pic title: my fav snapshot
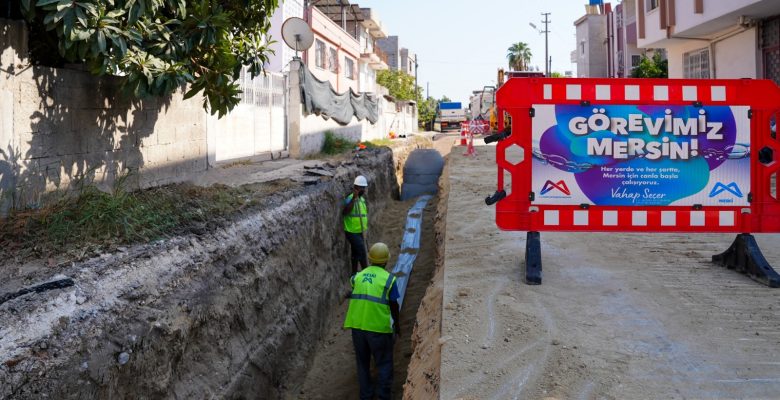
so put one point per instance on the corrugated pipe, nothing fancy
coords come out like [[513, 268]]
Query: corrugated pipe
[[410, 246]]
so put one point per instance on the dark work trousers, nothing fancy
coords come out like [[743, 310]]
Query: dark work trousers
[[358, 246], [380, 346]]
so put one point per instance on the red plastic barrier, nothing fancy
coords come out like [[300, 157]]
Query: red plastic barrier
[[479, 127], [639, 155]]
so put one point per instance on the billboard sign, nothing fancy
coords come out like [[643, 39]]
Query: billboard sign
[[641, 155]]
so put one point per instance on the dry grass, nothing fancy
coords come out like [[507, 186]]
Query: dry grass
[[96, 219]]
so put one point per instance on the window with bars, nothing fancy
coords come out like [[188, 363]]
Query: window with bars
[[696, 64], [333, 60], [349, 68], [635, 60], [319, 54], [652, 5], [770, 43]]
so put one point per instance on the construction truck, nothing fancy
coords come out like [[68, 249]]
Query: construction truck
[[502, 75], [481, 102], [449, 116]]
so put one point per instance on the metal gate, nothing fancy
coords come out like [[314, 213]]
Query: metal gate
[[258, 125]]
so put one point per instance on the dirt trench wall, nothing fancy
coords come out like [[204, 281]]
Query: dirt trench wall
[[227, 314]]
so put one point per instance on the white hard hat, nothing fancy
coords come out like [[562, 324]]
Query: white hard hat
[[361, 181]]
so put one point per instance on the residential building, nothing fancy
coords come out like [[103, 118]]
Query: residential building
[[282, 54], [592, 44], [408, 60], [713, 39], [372, 58], [389, 46], [335, 53], [344, 50], [398, 58], [622, 51]]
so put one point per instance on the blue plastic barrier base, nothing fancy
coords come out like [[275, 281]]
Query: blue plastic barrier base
[[744, 256], [533, 259]]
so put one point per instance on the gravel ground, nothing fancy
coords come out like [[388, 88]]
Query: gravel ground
[[618, 315]]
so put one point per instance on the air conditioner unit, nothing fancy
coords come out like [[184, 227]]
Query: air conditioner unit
[[745, 21]]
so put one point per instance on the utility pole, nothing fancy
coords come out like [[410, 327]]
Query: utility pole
[[546, 30], [549, 63], [416, 98], [427, 90]]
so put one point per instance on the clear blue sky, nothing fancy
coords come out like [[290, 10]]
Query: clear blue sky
[[462, 43]]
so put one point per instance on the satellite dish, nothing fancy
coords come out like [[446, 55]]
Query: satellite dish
[[297, 34]]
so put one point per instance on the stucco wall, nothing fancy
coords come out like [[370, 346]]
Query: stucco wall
[[735, 57], [63, 124]]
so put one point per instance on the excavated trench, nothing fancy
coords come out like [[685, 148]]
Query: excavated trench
[[332, 374], [233, 313]]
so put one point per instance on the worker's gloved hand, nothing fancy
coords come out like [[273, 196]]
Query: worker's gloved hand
[[396, 333]]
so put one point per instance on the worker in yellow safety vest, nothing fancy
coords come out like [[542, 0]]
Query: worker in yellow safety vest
[[373, 316], [355, 215]]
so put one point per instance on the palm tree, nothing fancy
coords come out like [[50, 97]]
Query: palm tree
[[519, 55]]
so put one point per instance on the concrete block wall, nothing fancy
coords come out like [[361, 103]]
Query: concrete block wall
[[61, 125]]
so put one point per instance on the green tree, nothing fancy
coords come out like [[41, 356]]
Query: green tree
[[657, 67], [519, 56], [426, 111], [398, 83], [556, 75], [156, 46], [445, 99]]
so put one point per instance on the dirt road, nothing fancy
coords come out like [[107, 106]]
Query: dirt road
[[618, 316]]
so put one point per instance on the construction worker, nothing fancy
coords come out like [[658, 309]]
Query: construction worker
[[373, 302], [356, 222]]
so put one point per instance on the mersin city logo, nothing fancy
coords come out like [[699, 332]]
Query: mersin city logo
[[560, 185], [732, 188]]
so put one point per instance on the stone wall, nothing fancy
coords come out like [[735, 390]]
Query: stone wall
[[62, 125]]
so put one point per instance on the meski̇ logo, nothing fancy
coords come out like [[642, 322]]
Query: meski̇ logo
[[560, 185], [731, 188]]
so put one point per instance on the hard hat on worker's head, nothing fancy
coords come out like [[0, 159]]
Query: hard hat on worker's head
[[361, 181], [378, 254]]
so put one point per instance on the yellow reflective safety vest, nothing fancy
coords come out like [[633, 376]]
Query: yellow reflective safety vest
[[369, 305], [357, 220]]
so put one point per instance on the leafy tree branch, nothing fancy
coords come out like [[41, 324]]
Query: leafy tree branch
[[156, 46]]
